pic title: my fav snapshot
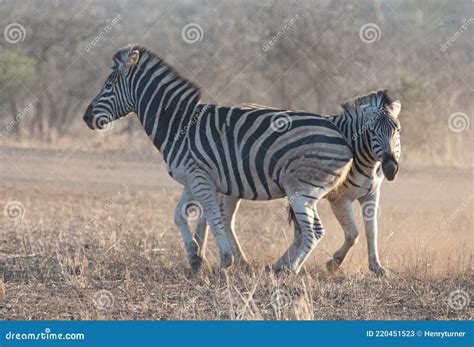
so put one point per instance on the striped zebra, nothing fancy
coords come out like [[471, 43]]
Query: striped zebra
[[373, 160], [235, 151], [230, 150]]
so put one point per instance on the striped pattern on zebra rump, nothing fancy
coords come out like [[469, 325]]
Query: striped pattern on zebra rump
[[363, 181]]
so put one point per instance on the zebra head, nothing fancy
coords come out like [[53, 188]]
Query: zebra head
[[114, 99], [383, 129], [375, 130]]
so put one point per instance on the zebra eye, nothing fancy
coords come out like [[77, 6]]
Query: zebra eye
[[108, 85]]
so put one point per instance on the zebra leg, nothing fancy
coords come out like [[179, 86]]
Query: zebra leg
[[205, 194], [304, 208], [342, 209], [370, 205], [192, 248], [200, 236], [291, 251], [229, 206]]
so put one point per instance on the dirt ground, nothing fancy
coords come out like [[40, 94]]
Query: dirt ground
[[93, 238]]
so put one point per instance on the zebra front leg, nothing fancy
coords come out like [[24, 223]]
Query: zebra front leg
[[370, 206], [205, 194], [181, 216], [201, 235], [342, 209], [229, 206]]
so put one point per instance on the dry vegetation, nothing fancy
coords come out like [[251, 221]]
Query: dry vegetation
[[98, 207], [92, 226]]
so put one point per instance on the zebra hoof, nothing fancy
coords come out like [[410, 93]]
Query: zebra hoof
[[378, 270], [333, 266], [227, 260], [196, 262], [243, 265], [283, 270]]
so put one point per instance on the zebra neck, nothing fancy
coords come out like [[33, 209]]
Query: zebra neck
[[164, 107], [358, 138]]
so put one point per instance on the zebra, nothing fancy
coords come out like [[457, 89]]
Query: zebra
[[237, 151], [362, 183]]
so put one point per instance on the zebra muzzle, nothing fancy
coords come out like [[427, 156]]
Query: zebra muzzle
[[390, 167]]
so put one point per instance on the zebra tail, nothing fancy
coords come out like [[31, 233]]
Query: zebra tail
[[292, 219]]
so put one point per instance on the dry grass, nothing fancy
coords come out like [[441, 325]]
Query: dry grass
[[59, 258]]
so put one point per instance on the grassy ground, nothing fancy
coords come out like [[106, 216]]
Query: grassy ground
[[97, 241]]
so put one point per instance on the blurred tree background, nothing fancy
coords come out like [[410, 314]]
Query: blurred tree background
[[61, 55]]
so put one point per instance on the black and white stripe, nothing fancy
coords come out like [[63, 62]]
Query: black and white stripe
[[370, 124], [231, 150], [236, 151]]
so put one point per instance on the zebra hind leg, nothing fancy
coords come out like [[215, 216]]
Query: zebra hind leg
[[295, 243], [304, 208]]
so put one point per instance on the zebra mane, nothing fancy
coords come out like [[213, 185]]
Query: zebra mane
[[376, 101], [122, 55]]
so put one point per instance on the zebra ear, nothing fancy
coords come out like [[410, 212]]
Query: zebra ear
[[394, 108], [132, 59]]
